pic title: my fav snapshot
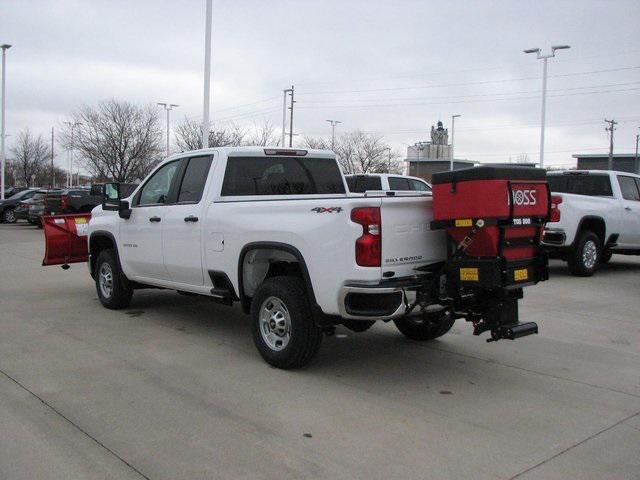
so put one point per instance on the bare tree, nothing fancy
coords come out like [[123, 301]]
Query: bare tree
[[30, 155], [264, 135], [359, 152], [116, 140], [189, 135]]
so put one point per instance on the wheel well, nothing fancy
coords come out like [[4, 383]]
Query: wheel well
[[596, 225], [98, 243], [262, 263], [261, 260]]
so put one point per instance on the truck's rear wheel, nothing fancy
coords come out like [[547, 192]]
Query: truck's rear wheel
[[425, 328], [110, 285], [585, 256], [283, 328]]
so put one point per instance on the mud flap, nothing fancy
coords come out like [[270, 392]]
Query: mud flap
[[66, 239]]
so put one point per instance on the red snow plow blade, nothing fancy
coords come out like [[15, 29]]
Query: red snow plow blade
[[66, 239]]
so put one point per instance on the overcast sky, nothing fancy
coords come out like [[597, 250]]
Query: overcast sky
[[392, 68]]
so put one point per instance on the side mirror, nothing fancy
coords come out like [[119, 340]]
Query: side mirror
[[111, 196], [111, 200]]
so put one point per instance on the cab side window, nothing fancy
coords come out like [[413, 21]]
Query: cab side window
[[194, 180], [399, 183], [629, 188], [156, 190], [418, 186]]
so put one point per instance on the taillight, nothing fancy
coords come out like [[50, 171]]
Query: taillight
[[368, 246], [556, 200], [63, 201]]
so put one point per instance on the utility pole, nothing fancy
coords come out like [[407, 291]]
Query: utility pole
[[546, 57], [333, 132], [453, 129], [4, 48], [291, 92], [610, 129], [389, 160], [72, 125], [53, 174], [284, 114], [168, 107], [207, 75]]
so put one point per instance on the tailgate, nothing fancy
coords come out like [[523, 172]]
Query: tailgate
[[407, 240], [66, 238]]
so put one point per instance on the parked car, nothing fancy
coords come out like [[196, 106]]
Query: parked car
[[80, 199], [10, 191], [594, 215], [9, 205], [23, 209], [360, 183], [277, 231]]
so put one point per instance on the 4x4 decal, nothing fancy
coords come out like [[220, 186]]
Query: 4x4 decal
[[327, 209]]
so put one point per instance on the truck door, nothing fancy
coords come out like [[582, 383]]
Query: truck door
[[630, 229], [182, 225], [141, 234]]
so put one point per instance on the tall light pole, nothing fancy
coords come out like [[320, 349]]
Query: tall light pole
[[207, 75], [71, 125], [4, 48], [637, 165], [453, 129], [333, 132], [544, 57], [168, 107]]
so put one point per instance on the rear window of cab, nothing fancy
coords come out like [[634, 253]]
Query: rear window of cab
[[245, 176]]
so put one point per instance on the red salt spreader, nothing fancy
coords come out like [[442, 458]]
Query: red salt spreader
[[493, 218]]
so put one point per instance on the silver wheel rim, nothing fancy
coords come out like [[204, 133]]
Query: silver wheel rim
[[9, 216], [589, 254], [105, 280], [275, 324]]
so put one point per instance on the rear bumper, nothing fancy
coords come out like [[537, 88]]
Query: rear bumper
[[381, 301]]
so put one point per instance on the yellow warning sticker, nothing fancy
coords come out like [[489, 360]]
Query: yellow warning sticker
[[464, 222], [80, 220], [520, 275], [469, 274]]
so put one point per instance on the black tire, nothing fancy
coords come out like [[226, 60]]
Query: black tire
[[585, 255], [39, 223], [606, 256], [425, 328], [8, 216], [120, 293], [304, 336], [31, 222]]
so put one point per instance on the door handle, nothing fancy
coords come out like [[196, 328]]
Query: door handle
[[190, 218], [154, 219]]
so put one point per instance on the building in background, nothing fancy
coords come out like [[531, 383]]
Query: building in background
[[426, 158], [622, 162]]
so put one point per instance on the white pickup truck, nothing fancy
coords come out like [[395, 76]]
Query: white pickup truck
[[594, 215], [277, 231]]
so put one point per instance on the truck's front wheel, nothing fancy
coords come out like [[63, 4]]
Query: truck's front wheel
[[426, 327], [110, 285], [283, 328]]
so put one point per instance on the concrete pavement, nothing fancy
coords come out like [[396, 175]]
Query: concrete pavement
[[173, 388]]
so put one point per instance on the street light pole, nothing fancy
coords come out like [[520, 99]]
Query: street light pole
[[207, 75], [4, 48], [637, 165], [389, 159], [285, 92], [544, 57], [168, 107], [453, 129], [333, 132]]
